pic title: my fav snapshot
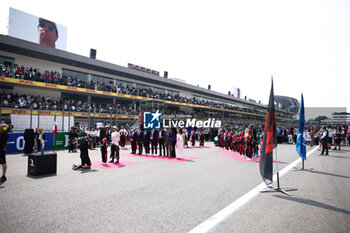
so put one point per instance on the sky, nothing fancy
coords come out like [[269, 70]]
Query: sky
[[303, 44]]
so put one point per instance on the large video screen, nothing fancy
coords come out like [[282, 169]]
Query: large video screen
[[36, 29]]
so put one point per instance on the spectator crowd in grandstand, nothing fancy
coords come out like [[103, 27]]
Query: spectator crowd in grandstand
[[54, 77]]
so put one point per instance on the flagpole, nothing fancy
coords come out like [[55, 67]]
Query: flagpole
[[54, 134], [278, 188], [278, 175]]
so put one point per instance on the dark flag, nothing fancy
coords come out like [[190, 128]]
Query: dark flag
[[269, 141]]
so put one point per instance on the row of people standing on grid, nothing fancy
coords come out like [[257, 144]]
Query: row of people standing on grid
[[336, 135], [94, 135], [244, 142], [144, 139], [239, 141], [97, 136]]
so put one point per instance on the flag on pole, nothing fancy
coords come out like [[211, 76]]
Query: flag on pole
[[301, 143], [54, 131], [269, 141]]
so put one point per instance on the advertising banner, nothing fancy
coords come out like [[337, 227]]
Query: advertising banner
[[15, 143], [61, 141]]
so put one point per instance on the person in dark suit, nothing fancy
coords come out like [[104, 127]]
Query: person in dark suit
[[140, 138], [173, 143], [167, 142], [161, 142], [201, 139], [147, 140], [108, 135], [324, 140], [154, 139], [193, 138], [71, 140], [102, 134], [133, 140]]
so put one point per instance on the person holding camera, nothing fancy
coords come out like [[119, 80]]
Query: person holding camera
[[84, 146]]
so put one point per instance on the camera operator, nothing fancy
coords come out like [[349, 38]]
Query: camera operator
[[84, 146]]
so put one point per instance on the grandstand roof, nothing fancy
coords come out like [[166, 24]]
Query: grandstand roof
[[26, 48]]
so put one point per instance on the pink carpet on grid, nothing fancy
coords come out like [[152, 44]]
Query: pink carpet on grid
[[185, 158], [237, 156], [110, 165], [196, 147], [190, 147]]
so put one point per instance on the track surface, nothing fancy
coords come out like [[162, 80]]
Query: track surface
[[154, 195]]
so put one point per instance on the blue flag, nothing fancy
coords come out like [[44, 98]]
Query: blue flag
[[301, 143]]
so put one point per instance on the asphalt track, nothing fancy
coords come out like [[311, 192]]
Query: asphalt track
[[153, 195]]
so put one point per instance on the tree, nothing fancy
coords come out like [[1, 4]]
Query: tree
[[320, 118]]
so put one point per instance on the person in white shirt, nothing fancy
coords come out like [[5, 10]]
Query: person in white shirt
[[308, 138], [180, 143], [331, 132], [115, 136], [87, 131], [92, 134], [97, 135]]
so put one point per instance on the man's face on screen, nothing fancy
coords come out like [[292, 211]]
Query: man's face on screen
[[47, 34]]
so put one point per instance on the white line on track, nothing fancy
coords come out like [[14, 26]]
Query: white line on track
[[220, 216]]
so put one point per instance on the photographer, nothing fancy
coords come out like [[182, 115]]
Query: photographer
[[3, 140], [84, 146]]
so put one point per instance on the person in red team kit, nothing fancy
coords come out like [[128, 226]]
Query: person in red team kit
[[248, 143], [238, 141], [228, 140]]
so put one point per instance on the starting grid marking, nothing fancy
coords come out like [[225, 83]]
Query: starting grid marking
[[223, 214]]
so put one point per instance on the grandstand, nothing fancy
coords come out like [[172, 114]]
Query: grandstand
[[41, 81]]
